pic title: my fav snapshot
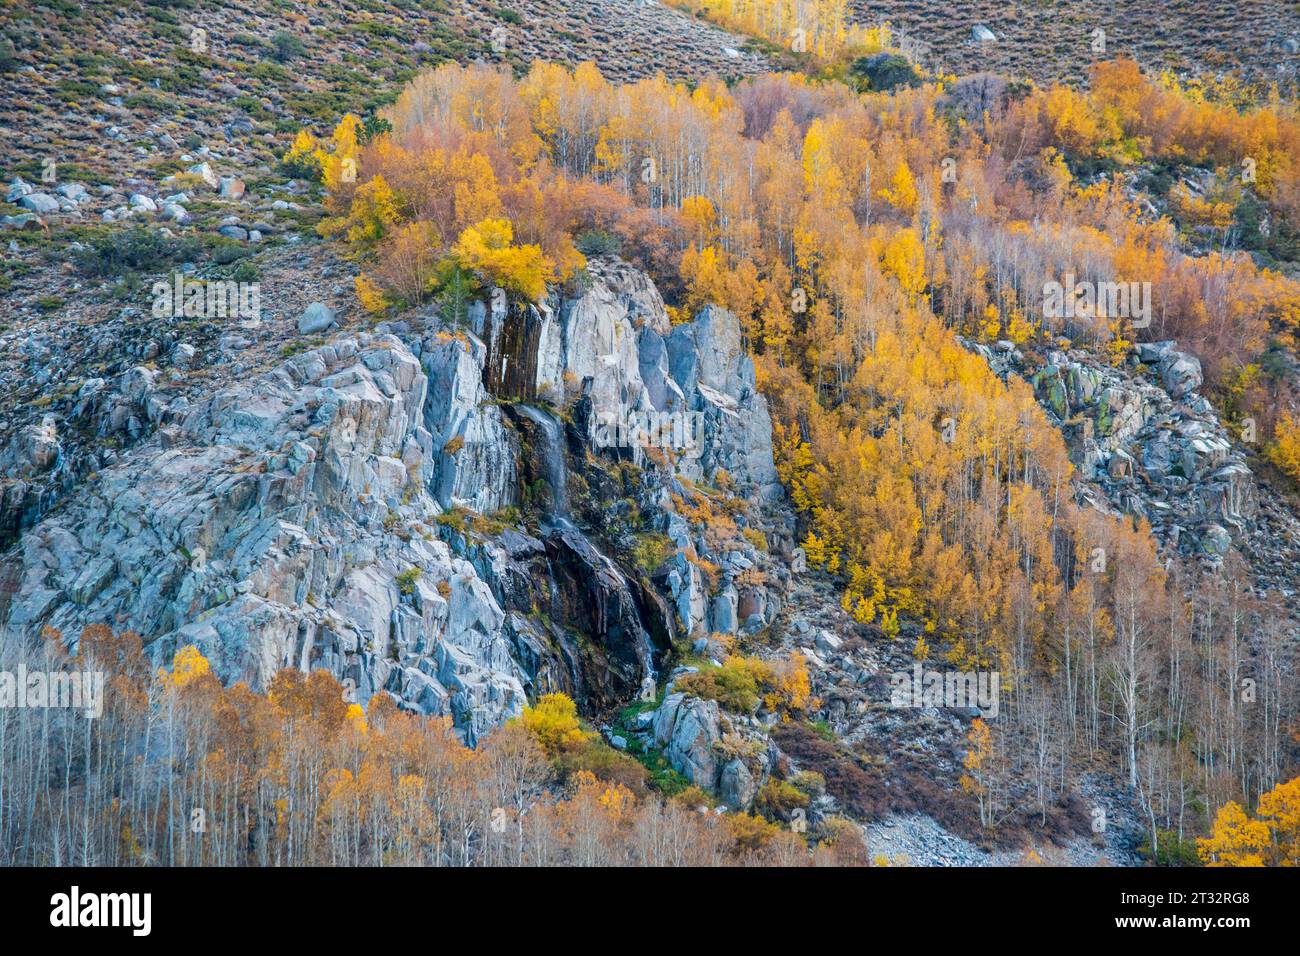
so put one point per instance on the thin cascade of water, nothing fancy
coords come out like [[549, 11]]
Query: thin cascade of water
[[557, 520]]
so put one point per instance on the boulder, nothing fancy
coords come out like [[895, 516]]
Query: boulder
[[34, 450], [73, 192], [687, 728], [724, 617], [828, 642], [205, 173], [1215, 540], [736, 785], [18, 188], [316, 318], [1152, 352], [40, 203], [24, 220], [1121, 465], [1181, 373]]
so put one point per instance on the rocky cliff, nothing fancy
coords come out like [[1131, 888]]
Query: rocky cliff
[[1146, 443], [379, 506]]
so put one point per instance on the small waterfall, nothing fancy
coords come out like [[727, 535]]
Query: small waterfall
[[553, 461], [557, 522]]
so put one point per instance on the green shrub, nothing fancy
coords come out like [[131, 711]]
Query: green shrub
[[882, 72], [823, 729], [372, 127], [244, 272], [145, 101], [651, 550], [285, 47], [225, 250], [305, 166], [597, 242], [664, 777], [139, 248], [778, 797], [252, 106], [406, 580], [809, 782], [1170, 851], [737, 685], [69, 90], [8, 56], [453, 518], [599, 758]]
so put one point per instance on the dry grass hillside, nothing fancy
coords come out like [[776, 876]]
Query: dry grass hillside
[[1048, 40], [96, 84]]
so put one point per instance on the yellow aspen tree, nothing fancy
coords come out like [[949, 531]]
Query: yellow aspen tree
[[1234, 840], [487, 247], [1280, 811], [903, 257], [369, 294], [901, 192]]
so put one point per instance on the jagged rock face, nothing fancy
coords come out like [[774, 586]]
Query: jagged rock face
[[577, 624], [35, 449], [285, 523], [617, 344], [597, 348], [617, 288], [474, 450], [291, 521], [697, 368], [614, 346], [733, 606], [709, 365], [32, 453], [683, 580], [688, 728], [1154, 446], [514, 337], [530, 353], [612, 350], [692, 732], [36, 468], [736, 785], [708, 353], [592, 596]]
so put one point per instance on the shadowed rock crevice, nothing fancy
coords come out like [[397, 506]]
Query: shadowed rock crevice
[[513, 336]]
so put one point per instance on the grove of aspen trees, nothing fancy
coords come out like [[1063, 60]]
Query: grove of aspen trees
[[863, 239]]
